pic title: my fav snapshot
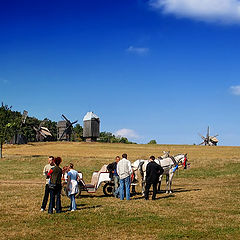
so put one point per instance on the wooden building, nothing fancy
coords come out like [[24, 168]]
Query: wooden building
[[61, 131], [91, 127]]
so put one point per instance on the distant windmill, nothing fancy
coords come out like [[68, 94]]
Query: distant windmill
[[24, 117], [65, 129], [91, 127], [209, 140], [42, 133]]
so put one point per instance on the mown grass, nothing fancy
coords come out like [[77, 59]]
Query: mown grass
[[204, 205]]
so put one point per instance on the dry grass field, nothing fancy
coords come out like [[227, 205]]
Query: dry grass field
[[204, 204]]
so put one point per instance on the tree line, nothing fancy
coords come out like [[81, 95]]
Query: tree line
[[11, 125]]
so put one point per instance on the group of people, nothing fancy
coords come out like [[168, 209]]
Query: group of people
[[121, 172], [53, 187]]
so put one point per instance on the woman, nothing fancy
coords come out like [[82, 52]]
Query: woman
[[72, 186], [55, 186]]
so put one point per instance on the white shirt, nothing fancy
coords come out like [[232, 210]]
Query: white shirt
[[47, 168], [124, 168]]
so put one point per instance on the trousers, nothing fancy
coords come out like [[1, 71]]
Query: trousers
[[125, 184], [73, 205], [116, 186], [45, 198], [55, 194], [148, 185]]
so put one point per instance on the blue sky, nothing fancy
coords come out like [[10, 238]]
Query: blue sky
[[150, 69]]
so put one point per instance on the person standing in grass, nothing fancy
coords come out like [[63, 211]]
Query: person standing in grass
[[124, 171], [46, 170], [112, 168], [55, 186], [72, 186], [153, 172]]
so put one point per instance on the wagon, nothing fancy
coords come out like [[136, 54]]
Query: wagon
[[98, 178]]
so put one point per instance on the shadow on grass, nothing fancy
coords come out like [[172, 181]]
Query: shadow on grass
[[81, 207], [93, 196], [139, 195], [157, 198], [170, 195], [178, 190]]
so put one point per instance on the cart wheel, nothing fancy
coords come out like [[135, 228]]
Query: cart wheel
[[108, 189]]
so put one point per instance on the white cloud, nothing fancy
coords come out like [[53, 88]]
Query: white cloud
[[235, 90], [222, 11], [138, 50], [128, 133]]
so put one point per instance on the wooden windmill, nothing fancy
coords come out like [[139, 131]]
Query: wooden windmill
[[65, 129], [91, 127], [42, 133], [209, 140]]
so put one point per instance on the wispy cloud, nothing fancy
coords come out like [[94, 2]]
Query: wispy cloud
[[128, 133], [235, 90], [221, 11], [138, 50]]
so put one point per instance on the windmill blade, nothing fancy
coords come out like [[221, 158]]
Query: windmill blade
[[208, 132], [46, 131], [215, 135], [202, 143], [36, 129], [63, 133], [203, 138], [74, 122], [65, 118], [42, 133]]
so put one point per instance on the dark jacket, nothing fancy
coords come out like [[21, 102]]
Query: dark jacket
[[153, 172], [111, 167], [56, 175]]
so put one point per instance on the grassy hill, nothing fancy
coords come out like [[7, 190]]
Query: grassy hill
[[204, 205]]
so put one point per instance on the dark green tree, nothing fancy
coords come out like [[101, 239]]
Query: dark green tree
[[7, 125], [123, 140], [153, 142], [106, 137], [78, 132]]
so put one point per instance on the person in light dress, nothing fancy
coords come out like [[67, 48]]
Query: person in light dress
[[72, 186]]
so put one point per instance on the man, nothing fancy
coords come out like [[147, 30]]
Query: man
[[112, 168], [55, 186], [153, 172], [124, 171], [46, 170]]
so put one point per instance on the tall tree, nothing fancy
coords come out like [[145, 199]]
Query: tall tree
[[78, 132], [6, 125]]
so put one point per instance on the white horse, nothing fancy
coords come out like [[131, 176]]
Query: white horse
[[169, 165]]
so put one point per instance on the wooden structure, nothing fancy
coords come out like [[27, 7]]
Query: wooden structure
[[64, 129], [42, 133], [209, 140], [91, 127]]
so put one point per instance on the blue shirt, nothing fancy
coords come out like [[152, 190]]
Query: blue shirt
[[73, 174]]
